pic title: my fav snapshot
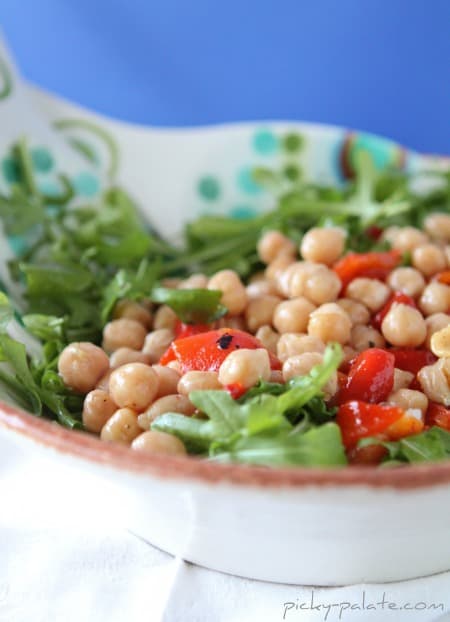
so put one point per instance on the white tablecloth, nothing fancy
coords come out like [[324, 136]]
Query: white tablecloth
[[72, 564]]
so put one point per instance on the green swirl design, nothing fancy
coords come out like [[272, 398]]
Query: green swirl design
[[6, 79], [99, 132]]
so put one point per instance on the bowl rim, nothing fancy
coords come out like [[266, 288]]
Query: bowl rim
[[87, 447]]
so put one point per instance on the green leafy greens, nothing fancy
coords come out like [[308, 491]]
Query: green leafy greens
[[430, 446]]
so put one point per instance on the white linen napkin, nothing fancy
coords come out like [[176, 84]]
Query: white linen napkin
[[60, 562]]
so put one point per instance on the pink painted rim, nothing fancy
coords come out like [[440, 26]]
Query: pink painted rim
[[86, 447]]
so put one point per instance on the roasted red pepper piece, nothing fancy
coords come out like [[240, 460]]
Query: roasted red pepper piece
[[359, 419], [443, 277], [397, 297], [207, 351], [412, 360], [438, 414], [236, 390], [371, 377], [371, 265], [374, 232], [183, 330]]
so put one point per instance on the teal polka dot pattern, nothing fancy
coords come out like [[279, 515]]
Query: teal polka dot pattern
[[42, 160], [265, 142], [49, 188], [243, 212], [246, 182], [18, 244], [86, 184], [10, 170], [209, 188]]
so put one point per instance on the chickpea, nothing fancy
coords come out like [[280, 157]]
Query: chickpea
[[434, 380], [429, 259], [168, 404], [349, 354], [402, 379], [276, 267], [438, 226], [235, 321], [171, 283], [324, 245], [272, 244], [198, 381], [364, 337], [123, 333], [330, 323], [133, 311], [407, 280], [390, 235], [404, 326], [154, 442], [291, 344], [260, 310], [370, 292], [167, 380], [122, 356], [165, 318], [122, 427], [302, 364], [292, 316], [103, 383], [259, 288], [435, 298], [356, 311], [276, 375], [98, 407], [434, 323], [195, 281], [234, 295], [133, 386], [81, 365], [157, 342], [245, 367], [268, 337], [408, 399], [440, 342], [322, 286], [291, 282], [447, 254], [407, 238], [176, 366]]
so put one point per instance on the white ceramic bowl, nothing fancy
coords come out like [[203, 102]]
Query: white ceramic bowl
[[305, 526], [286, 525]]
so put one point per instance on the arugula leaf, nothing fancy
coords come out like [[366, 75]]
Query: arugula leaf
[[318, 447], [222, 410], [304, 388], [45, 327], [6, 312], [196, 434], [56, 280], [192, 306], [429, 446], [22, 382], [128, 284], [263, 388]]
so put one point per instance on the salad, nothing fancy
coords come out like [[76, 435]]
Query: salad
[[317, 334]]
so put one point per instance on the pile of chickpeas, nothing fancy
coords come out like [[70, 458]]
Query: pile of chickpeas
[[294, 308]]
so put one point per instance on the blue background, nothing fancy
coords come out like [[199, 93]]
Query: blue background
[[377, 65]]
